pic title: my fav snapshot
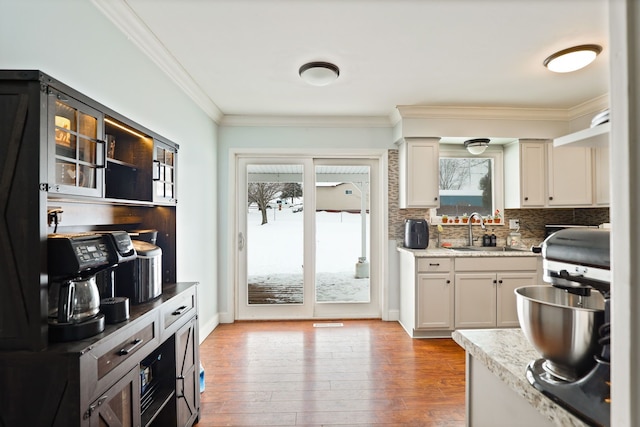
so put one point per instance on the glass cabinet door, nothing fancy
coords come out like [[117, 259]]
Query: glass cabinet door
[[78, 160], [164, 173]]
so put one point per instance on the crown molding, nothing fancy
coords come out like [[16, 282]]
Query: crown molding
[[126, 20], [303, 121], [485, 113], [589, 107], [499, 113]]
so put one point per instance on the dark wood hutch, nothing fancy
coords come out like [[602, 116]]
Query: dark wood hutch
[[71, 164]]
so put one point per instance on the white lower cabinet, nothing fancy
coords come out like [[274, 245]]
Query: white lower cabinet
[[439, 294], [487, 300], [475, 298], [484, 290], [426, 295], [435, 301]]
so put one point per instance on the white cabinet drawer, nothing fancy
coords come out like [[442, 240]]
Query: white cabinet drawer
[[434, 265], [528, 263]]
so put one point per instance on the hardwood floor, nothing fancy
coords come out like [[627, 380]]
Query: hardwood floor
[[365, 373]]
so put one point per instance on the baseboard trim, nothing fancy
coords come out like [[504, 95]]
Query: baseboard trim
[[208, 327], [393, 316]]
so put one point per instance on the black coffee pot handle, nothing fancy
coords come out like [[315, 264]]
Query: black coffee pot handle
[[65, 301]]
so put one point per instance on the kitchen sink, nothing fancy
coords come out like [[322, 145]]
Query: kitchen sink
[[486, 249]]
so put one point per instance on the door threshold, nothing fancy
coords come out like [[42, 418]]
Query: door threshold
[[328, 325]]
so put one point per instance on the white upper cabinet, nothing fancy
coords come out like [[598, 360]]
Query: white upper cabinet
[[419, 160], [533, 157], [539, 175], [601, 176], [596, 138], [525, 177], [569, 176]]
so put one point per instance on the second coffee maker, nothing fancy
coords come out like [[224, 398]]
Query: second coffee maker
[[141, 279]]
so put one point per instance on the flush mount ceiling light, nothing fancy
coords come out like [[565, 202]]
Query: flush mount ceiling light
[[319, 73], [573, 58], [477, 145]]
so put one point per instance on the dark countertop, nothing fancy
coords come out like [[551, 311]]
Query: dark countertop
[[135, 312]]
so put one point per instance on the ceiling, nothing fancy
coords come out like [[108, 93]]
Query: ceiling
[[241, 57]]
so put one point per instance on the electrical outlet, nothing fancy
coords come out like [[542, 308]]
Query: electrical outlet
[[514, 224], [54, 216]]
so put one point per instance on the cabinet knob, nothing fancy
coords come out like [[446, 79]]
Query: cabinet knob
[[526, 198], [448, 281], [550, 197], [435, 199]]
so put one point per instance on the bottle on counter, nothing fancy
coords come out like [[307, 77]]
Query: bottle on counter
[[493, 239], [486, 240]]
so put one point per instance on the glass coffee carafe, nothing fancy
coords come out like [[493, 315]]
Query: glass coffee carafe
[[73, 301]]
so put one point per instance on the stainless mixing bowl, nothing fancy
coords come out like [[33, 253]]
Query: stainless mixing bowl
[[562, 327]]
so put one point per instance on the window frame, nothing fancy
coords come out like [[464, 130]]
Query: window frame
[[497, 180]]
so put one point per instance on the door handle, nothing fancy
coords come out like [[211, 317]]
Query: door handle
[[156, 170], [240, 241], [104, 153]]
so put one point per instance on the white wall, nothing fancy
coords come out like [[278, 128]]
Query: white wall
[[275, 137], [74, 43]]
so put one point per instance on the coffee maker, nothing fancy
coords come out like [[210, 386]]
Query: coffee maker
[[74, 299], [115, 308]]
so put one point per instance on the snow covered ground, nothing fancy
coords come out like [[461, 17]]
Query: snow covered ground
[[275, 255]]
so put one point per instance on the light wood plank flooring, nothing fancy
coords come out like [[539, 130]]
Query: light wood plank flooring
[[365, 373]]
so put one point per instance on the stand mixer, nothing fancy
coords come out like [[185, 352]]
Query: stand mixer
[[569, 325]]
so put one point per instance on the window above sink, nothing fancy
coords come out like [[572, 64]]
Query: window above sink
[[469, 183]]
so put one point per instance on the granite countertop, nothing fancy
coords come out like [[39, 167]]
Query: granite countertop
[[506, 353], [446, 252]]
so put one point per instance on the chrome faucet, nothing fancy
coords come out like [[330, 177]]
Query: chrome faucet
[[471, 222]]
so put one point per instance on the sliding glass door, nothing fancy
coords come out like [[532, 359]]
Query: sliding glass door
[[304, 238]]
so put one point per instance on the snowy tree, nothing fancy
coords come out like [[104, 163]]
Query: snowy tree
[[261, 193], [292, 190], [452, 173]]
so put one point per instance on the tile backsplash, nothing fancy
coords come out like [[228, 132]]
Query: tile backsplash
[[532, 221]]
